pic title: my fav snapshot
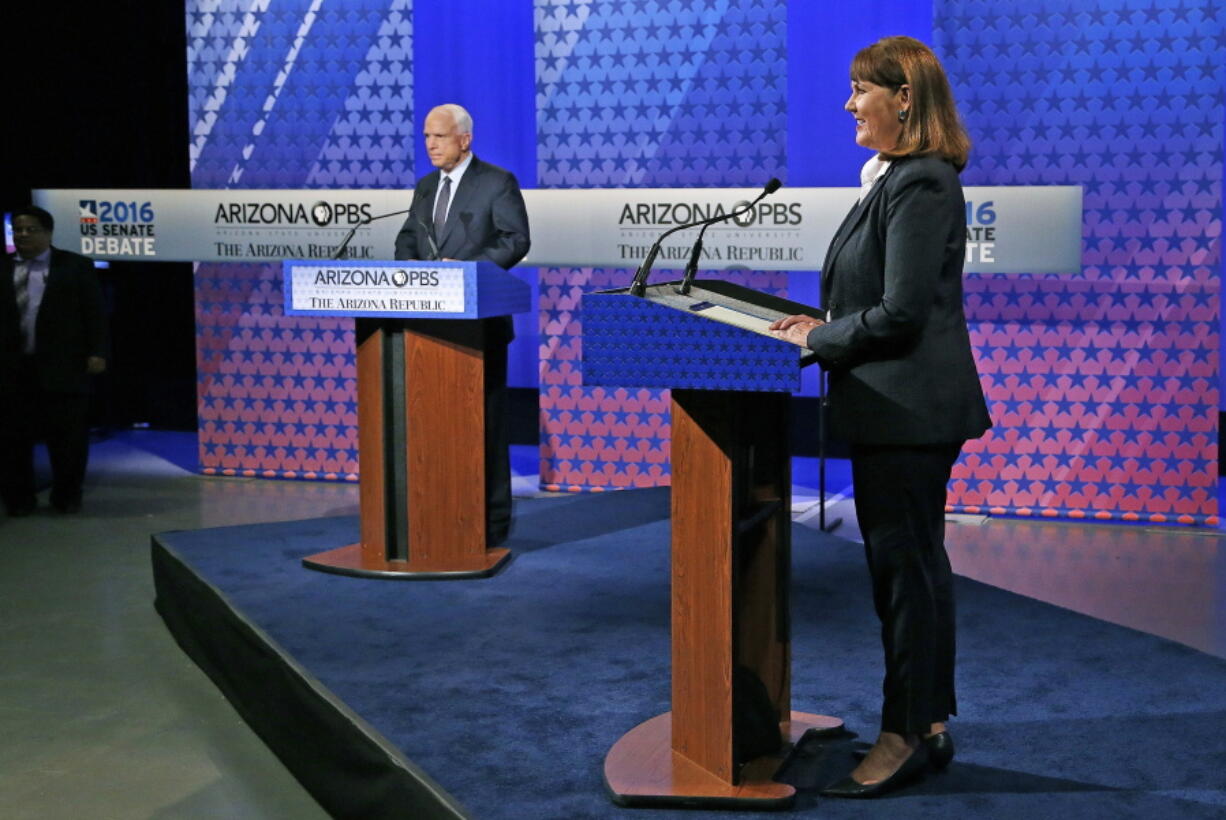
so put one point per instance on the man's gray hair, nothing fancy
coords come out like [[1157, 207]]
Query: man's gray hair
[[463, 120]]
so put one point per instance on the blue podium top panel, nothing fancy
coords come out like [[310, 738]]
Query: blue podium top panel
[[629, 341], [402, 290]]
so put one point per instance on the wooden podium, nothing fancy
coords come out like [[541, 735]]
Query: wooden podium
[[731, 540], [421, 409]]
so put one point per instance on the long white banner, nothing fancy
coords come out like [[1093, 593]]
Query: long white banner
[[1009, 229]]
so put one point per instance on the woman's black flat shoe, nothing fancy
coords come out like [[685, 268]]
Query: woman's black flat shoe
[[911, 768], [940, 750]]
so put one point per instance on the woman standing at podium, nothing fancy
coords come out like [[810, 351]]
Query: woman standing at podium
[[903, 389]]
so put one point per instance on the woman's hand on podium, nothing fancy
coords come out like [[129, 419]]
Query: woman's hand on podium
[[795, 328]]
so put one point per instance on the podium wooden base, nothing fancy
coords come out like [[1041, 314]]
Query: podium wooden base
[[643, 770], [349, 561]]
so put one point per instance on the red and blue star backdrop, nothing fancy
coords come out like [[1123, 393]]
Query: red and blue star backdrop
[[288, 95], [651, 95], [1103, 386]]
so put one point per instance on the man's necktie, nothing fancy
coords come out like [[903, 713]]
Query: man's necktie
[[440, 207], [21, 284]]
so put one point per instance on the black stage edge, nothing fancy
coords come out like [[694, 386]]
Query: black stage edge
[[345, 764]]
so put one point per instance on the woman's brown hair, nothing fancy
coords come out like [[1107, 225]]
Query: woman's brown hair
[[932, 125]]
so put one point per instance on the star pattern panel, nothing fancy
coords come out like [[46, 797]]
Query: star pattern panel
[[288, 95], [1103, 386], [629, 340], [642, 94]]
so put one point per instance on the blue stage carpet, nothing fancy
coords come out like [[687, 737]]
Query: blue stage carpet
[[509, 691]]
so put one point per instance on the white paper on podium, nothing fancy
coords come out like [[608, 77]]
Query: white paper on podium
[[745, 321], [735, 317]]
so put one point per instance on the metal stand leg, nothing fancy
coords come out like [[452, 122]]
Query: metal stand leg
[[821, 459]]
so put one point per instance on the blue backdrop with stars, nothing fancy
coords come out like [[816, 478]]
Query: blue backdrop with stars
[[1103, 386]]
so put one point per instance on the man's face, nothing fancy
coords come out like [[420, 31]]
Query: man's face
[[444, 143], [30, 237]]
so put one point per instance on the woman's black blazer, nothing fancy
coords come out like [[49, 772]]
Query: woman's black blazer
[[895, 344]]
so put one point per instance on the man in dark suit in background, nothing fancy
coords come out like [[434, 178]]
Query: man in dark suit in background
[[471, 210], [52, 339]]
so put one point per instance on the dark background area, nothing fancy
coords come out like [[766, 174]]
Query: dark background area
[[98, 99]]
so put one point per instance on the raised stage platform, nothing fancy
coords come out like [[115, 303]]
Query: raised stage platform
[[499, 698]]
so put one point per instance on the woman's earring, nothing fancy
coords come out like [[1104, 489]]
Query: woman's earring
[[902, 115]]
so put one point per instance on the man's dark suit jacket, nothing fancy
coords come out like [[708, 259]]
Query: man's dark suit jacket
[[896, 344], [71, 323], [487, 220]]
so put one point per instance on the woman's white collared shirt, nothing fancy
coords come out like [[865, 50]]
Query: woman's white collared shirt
[[872, 171]]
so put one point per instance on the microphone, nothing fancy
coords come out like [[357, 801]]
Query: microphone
[[429, 236], [430, 231], [344, 246], [691, 267], [638, 286]]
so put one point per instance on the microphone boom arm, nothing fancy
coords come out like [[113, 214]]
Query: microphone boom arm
[[638, 286], [343, 248]]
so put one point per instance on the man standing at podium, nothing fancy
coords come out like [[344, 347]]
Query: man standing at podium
[[470, 210]]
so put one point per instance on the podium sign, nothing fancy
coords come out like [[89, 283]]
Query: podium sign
[[667, 340], [402, 290]]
